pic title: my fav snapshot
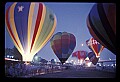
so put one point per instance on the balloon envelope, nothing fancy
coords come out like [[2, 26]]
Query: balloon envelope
[[101, 23], [95, 46], [63, 44], [80, 54], [92, 57], [30, 26]]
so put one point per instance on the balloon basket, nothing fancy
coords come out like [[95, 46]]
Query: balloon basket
[[26, 62]]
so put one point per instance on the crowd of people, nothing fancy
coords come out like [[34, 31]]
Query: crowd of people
[[14, 69], [20, 69]]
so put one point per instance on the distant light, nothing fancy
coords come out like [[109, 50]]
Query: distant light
[[99, 64], [8, 56], [71, 61], [109, 59], [36, 57], [74, 63], [112, 64], [66, 62], [81, 44], [89, 64], [81, 61], [12, 56], [55, 60]]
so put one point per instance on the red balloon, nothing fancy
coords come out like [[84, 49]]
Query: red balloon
[[80, 54]]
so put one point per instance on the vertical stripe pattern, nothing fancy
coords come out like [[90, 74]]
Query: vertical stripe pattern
[[63, 44], [30, 26], [101, 23]]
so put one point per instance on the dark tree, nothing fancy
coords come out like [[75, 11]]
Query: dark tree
[[17, 54]]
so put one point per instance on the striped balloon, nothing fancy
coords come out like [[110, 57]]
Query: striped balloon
[[63, 44], [101, 23], [30, 26]]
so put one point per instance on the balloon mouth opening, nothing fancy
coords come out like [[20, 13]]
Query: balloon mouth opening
[[27, 57]]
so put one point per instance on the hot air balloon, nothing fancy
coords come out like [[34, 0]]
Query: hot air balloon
[[80, 54], [92, 57], [63, 44], [95, 46], [30, 26], [101, 23]]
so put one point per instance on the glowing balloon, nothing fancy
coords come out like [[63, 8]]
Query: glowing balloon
[[63, 44], [80, 54], [95, 46], [101, 23], [30, 26]]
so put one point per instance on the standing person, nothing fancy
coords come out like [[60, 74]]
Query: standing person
[[11, 71], [23, 69]]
